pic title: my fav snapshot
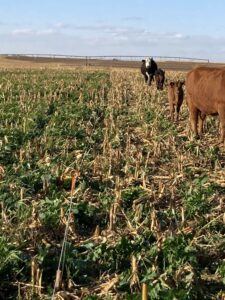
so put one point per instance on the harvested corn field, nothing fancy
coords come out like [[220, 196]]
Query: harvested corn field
[[94, 154]]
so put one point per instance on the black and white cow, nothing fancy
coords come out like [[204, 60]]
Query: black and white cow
[[148, 68]]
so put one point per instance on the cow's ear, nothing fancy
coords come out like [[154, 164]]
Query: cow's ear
[[143, 60]]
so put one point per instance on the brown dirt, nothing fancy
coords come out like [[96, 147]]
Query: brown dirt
[[68, 63]]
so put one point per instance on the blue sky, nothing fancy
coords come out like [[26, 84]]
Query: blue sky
[[114, 27]]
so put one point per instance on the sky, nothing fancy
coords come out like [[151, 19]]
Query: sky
[[177, 28]]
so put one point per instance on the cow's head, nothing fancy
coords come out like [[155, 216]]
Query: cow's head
[[148, 62], [181, 83], [177, 86]]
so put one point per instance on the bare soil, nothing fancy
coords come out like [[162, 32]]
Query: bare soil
[[68, 63]]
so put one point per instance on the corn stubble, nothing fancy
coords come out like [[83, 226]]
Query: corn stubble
[[148, 206]]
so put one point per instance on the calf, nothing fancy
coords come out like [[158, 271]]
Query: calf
[[159, 79], [148, 68], [176, 97], [205, 88]]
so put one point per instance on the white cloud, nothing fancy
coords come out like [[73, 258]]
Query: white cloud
[[32, 32], [105, 39], [45, 31], [22, 31], [179, 35]]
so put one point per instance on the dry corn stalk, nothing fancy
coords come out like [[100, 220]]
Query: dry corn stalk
[[58, 280], [35, 222], [36, 277], [118, 190], [62, 216], [107, 286], [153, 221], [144, 292], [182, 216], [138, 213], [134, 280], [97, 231], [71, 224], [224, 218], [39, 281], [3, 213], [2, 172], [34, 268], [112, 216], [22, 190]]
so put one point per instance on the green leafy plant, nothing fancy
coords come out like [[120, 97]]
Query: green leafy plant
[[196, 197]]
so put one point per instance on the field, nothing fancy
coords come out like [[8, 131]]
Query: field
[[68, 63], [94, 149]]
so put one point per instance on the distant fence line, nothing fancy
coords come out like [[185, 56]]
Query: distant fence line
[[110, 57]]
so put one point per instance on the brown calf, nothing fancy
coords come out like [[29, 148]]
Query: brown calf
[[176, 97], [205, 88]]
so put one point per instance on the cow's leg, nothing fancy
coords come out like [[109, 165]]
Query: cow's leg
[[177, 111], [148, 78], [172, 111], [194, 119], [202, 117], [193, 112], [151, 78], [179, 103], [221, 111]]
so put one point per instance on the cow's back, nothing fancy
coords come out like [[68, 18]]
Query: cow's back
[[206, 88]]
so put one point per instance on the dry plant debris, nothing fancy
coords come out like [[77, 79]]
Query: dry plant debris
[[148, 205]]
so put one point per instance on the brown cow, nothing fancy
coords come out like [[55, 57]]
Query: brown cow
[[205, 88], [176, 97]]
